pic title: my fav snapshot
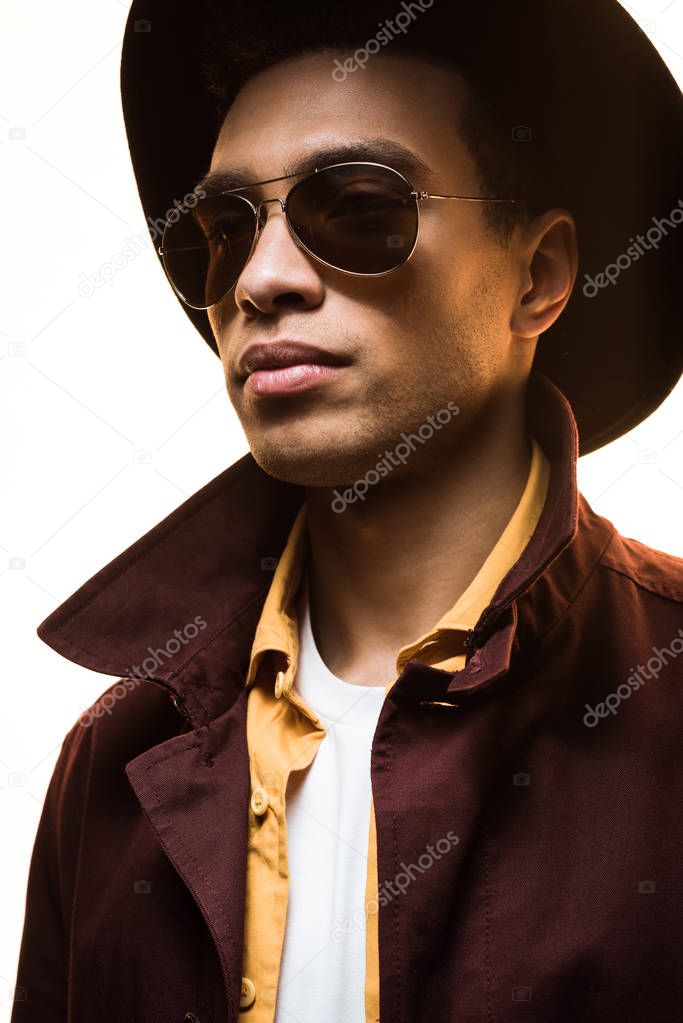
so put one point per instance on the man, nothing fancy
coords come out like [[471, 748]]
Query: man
[[397, 777]]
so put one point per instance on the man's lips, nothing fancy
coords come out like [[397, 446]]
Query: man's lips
[[290, 378], [286, 366], [282, 354]]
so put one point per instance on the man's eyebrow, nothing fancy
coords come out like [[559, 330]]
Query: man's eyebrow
[[380, 150]]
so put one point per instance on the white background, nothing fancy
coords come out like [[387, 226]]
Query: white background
[[85, 383]]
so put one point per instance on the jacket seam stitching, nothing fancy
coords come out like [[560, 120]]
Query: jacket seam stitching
[[207, 884], [643, 582], [194, 744]]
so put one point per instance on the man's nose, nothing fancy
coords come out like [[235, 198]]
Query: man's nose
[[278, 272]]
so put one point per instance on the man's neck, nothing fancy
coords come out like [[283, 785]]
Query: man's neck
[[384, 571]]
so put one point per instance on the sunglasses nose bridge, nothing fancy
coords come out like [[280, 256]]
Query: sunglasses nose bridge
[[260, 218]]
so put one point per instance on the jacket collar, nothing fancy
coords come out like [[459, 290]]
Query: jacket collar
[[179, 607]]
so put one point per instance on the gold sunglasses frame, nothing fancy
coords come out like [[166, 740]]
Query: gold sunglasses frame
[[418, 195]]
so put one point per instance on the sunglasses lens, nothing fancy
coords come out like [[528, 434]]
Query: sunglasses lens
[[206, 247], [356, 217]]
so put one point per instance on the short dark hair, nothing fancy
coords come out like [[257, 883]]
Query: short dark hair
[[231, 58]]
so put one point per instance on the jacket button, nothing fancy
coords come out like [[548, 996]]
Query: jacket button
[[259, 801], [279, 684], [190, 1017], [247, 993]]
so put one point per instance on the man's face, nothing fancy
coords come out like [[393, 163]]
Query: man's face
[[434, 331]]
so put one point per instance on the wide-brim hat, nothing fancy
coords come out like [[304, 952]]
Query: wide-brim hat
[[586, 97]]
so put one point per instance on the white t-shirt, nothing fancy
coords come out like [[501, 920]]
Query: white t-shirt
[[322, 975]]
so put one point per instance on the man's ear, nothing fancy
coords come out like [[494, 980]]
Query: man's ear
[[549, 264]]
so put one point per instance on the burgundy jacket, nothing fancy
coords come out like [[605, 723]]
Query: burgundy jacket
[[552, 756]]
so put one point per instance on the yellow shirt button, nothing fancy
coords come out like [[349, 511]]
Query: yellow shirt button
[[259, 801], [247, 993], [279, 684]]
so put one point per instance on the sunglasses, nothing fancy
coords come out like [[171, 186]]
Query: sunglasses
[[359, 218]]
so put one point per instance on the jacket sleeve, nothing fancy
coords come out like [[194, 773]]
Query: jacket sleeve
[[42, 983]]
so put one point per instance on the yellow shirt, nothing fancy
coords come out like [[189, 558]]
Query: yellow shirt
[[283, 734]]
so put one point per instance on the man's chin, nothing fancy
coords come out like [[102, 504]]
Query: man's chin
[[307, 464], [314, 469]]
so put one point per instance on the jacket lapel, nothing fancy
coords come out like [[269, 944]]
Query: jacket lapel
[[196, 800]]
